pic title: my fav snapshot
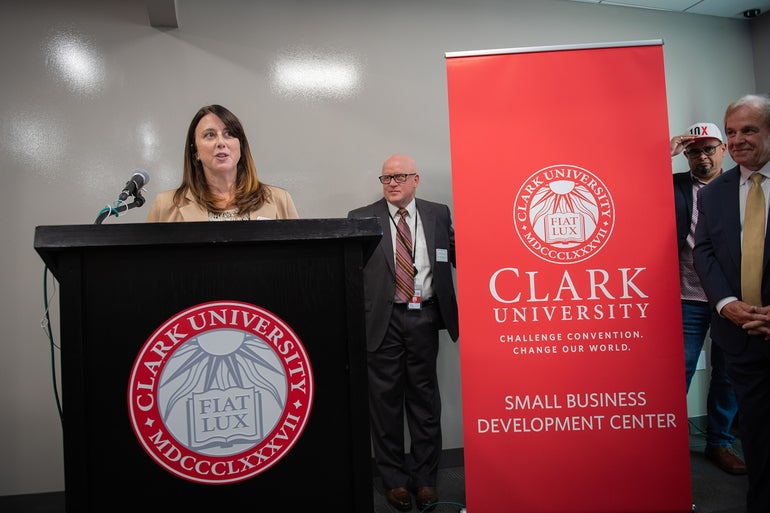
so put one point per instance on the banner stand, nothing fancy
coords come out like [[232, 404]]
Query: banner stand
[[574, 397]]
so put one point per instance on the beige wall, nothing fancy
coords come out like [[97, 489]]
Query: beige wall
[[90, 92]]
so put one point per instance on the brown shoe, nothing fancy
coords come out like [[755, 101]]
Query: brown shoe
[[426, 495], [399, 498], [726, 459]]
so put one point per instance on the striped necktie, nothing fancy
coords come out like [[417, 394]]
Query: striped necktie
[[752, 249], [404, 264]]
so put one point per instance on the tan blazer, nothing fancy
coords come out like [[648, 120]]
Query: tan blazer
[[163, 209]]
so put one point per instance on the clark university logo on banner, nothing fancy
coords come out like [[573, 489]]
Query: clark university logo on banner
[[564, 214], [220, 392]]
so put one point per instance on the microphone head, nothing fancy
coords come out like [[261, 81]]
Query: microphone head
[[141, 178]]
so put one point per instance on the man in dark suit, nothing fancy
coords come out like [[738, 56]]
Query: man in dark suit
[[704, 150], [402, 333], [740, 320]]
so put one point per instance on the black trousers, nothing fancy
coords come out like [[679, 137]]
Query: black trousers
[[750, 375], [403, 384]]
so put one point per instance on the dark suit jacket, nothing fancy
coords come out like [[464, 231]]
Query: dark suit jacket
[[379, 272], [717, 254], [683, 201]]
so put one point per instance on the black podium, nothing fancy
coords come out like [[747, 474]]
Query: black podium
[[119, 283]]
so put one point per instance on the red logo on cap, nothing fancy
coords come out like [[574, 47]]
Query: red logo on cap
[[700, 130]]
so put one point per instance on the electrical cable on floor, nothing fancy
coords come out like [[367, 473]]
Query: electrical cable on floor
[[432, 505]]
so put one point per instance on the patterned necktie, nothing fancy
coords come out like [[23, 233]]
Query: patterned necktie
[[404, 265], [752, 249]]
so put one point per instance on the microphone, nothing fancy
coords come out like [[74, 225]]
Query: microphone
[[139, 179]]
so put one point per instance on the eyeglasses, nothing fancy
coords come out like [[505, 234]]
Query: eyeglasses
[[695, 152], [399, 178]]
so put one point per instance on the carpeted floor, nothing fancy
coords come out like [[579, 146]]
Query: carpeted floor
[[713, 490]]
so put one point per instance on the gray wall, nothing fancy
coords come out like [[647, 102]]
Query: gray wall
[[90, 92], [760, 37]]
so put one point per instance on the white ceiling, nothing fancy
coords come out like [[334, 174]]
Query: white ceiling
[[163, 12], [722, 8]]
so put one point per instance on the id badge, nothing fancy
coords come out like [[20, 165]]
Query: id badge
[[415, 302]]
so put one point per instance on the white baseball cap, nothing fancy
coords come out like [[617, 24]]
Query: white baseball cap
[[705, 131]]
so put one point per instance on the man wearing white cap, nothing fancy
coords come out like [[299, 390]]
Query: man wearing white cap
[[704, 149]]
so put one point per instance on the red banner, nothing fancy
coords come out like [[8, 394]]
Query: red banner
[[571, 349]]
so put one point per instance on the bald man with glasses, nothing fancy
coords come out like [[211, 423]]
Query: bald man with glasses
[[704, 149], [409, 297]]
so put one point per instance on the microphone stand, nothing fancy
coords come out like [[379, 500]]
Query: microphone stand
[[106, 212]]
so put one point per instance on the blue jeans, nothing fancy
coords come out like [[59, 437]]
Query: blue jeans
[[721, 405]]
